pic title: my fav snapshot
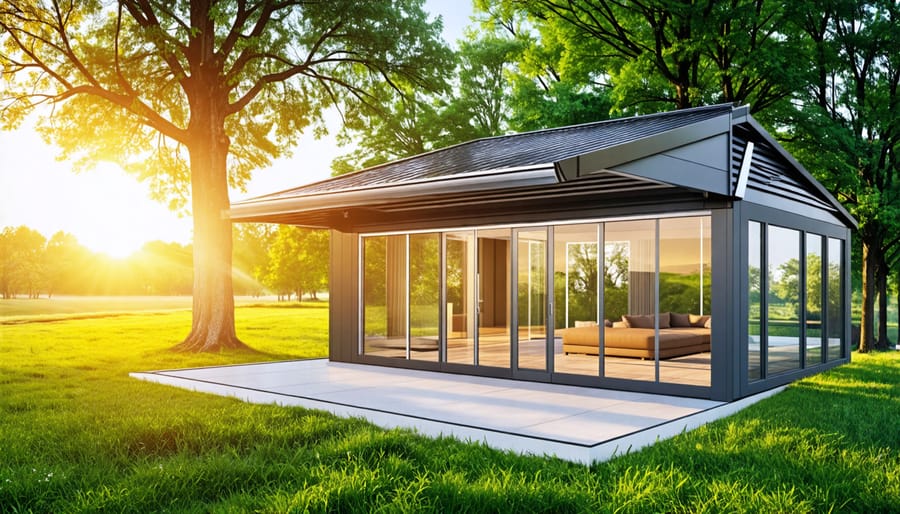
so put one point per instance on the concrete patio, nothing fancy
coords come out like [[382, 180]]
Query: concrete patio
[[574, 423]]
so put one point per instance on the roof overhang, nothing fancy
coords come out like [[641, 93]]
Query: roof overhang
[[374, 196]]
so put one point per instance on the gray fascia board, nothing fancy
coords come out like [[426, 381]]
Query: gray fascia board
[[811, 181], [609, 158], [385, 194]]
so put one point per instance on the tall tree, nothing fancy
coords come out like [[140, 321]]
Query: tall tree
[[671, 53], [846, 128], [195, 94]]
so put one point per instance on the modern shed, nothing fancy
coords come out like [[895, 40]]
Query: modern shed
[[683, 253]]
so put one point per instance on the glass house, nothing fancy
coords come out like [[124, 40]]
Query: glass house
[[682, 253]]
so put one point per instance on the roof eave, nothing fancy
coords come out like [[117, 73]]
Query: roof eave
[[544, 174]]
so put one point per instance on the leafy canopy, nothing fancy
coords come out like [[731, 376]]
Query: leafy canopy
[[275, 69]]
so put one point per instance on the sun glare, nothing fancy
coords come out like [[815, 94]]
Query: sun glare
[[107, 210]]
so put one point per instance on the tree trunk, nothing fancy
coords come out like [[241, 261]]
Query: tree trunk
[[212, 328], [881, 281], [867, 323]]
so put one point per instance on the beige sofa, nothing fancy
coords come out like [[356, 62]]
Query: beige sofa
[[636, 338]]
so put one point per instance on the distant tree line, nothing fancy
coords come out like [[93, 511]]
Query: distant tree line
[[282, 260]]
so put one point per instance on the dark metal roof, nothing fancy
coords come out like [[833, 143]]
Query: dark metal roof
[[542, 147], [627, 160]]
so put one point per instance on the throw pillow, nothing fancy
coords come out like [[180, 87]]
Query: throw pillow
[[708, 323], [607, 323], [698, 321], [680, 320], [638, 321], [663, 320], [585, 324]]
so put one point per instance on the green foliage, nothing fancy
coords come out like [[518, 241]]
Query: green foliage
[[130, 76], [298, 261], [21, 254], [407, 121], [80, 435], [652, 57]]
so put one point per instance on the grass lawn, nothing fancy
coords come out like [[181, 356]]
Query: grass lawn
[[78, 435]]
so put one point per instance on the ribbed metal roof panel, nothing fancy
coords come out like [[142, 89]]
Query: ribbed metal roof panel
[[512, 151], [771, 174]]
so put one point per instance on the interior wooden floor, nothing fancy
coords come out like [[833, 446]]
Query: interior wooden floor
[[494, 350]]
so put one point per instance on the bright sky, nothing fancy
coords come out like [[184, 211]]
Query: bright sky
[[109, 211]]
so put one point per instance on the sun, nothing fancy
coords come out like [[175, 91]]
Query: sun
[[116, 217]]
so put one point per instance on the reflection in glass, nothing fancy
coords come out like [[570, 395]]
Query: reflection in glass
[[835, 309], [813, 299], [531, 275], [783, 300], [493, 298], [384, 293], [460, 273], [630, 297], [576, 270], [424, 296], [754, 323], [684, 295]]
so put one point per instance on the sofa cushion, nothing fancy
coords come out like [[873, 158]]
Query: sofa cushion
[[638, 321], [664, 320], [698, 320], [680, 320], [646, 320]]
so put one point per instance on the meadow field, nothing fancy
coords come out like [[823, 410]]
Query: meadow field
[[78, 435]]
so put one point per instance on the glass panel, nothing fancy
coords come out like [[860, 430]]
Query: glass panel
[[813, 299], [424, 296], [576, 268], [754, 311], [629, 297], [531, 273], [684, 275], [493, 298], [384, 291], [835, 299], [460, 272], [783, 320]]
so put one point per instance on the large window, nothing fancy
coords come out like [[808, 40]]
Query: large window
[[460, 304], [630, 297], [576, 292], [384, 292], [754, 301], [619, 299], [493, 344], [783, 300], [813, 306], [795, 314], [531, 297], [424, 296], [835, 312], [685, 275]]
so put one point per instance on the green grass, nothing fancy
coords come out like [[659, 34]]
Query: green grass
[[78, 435]]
